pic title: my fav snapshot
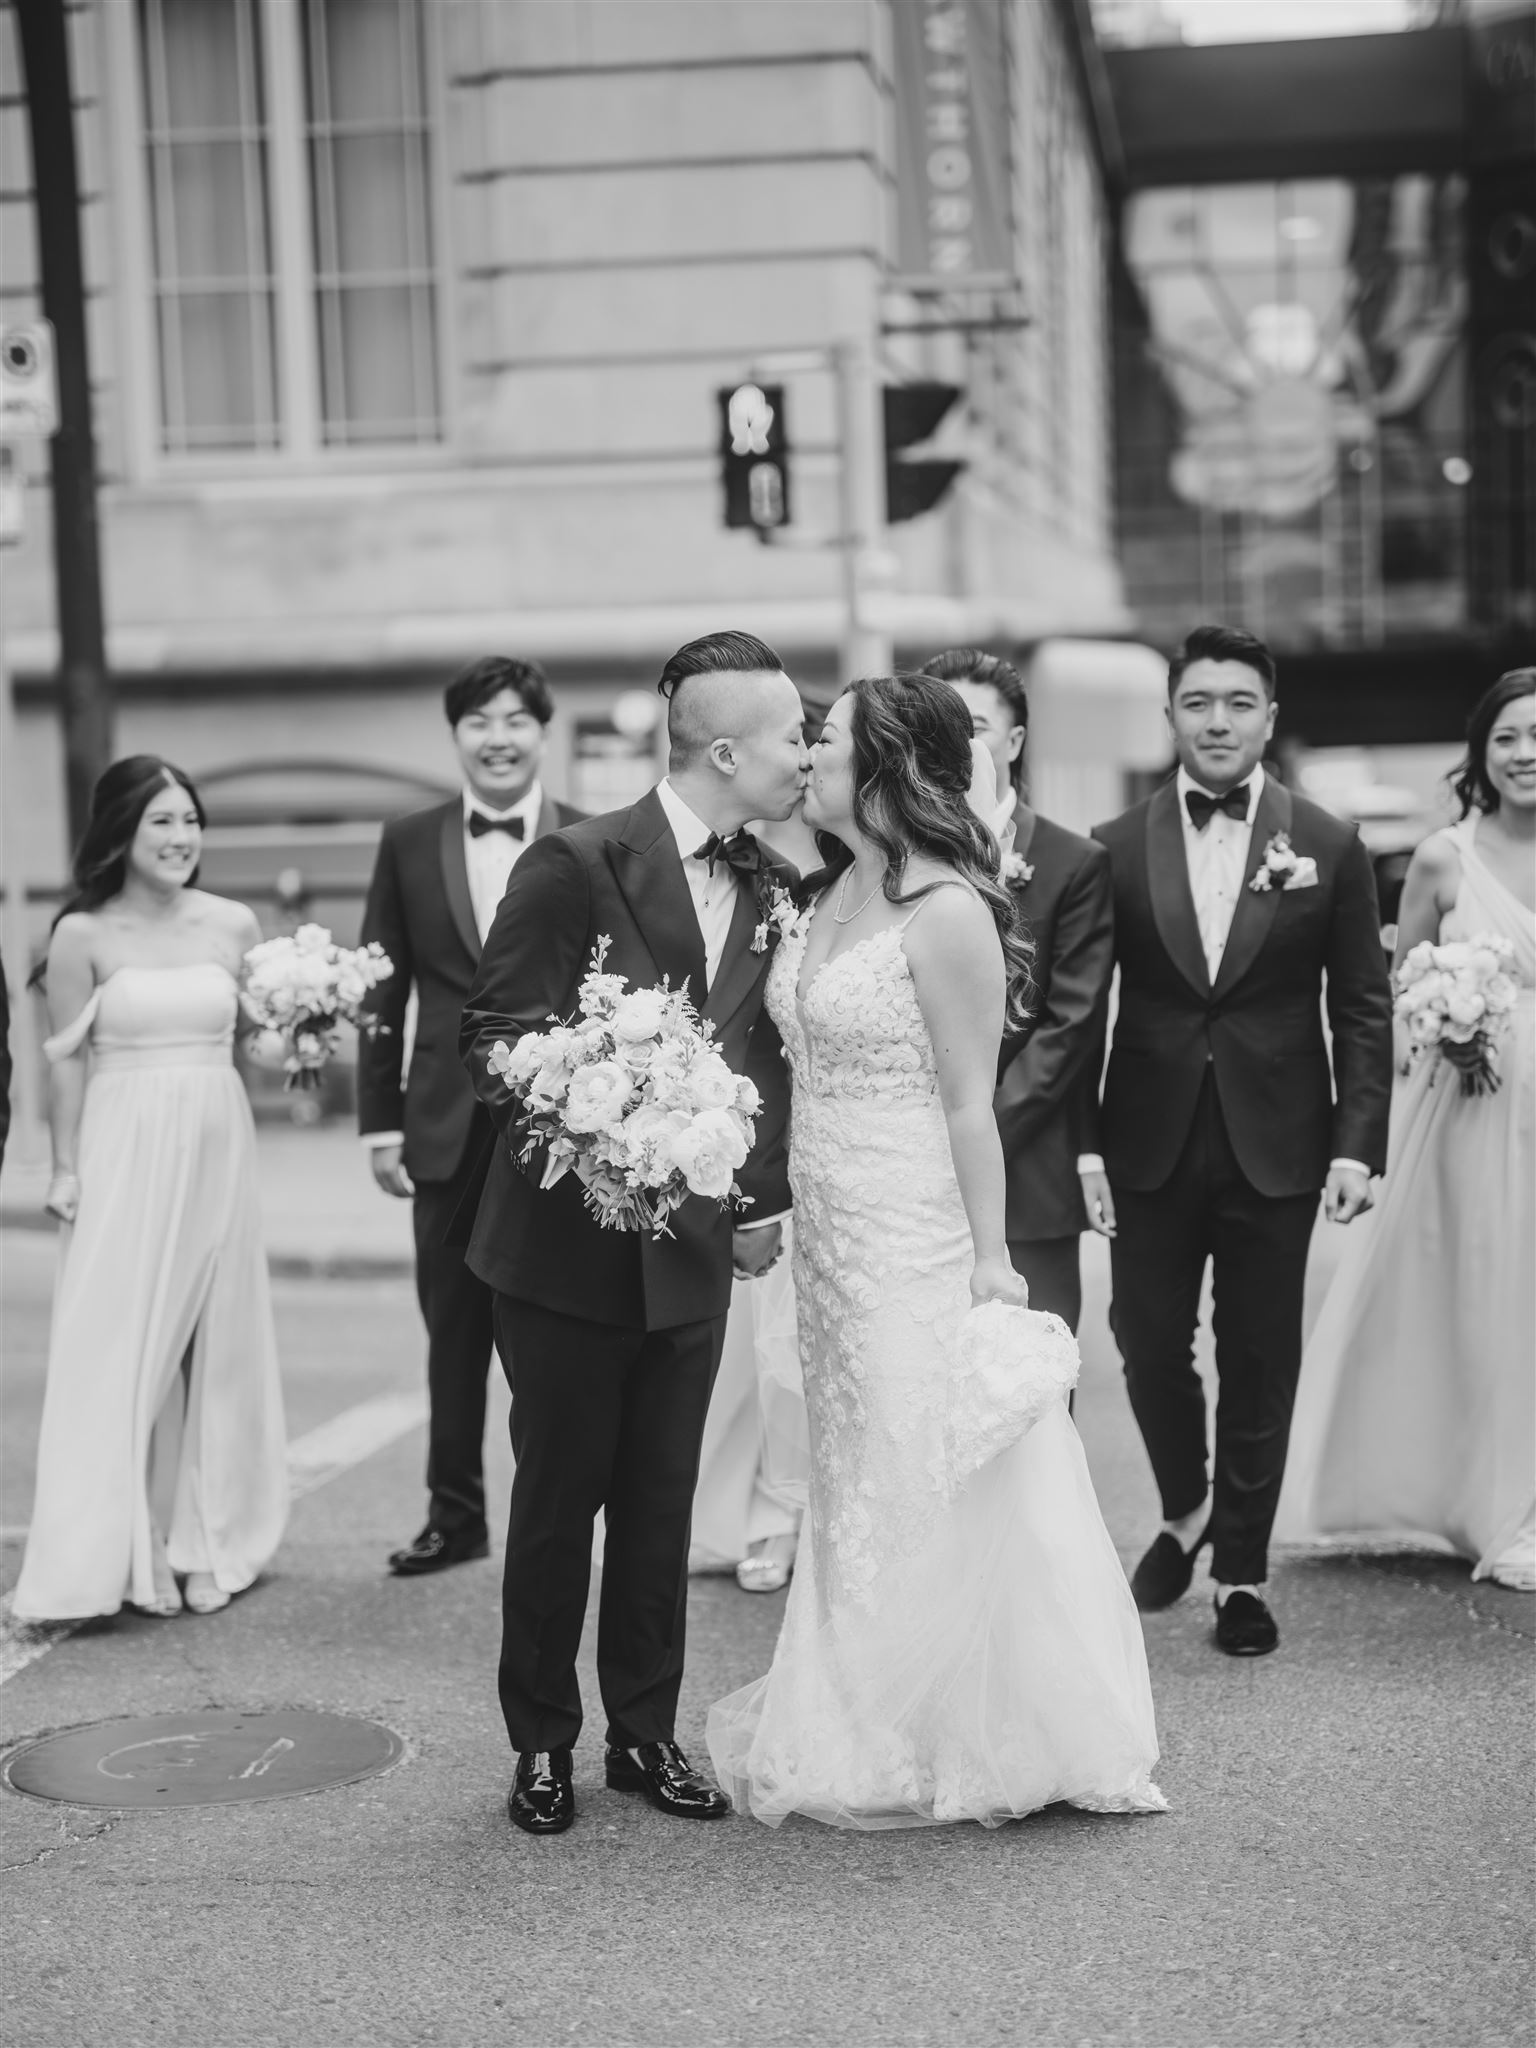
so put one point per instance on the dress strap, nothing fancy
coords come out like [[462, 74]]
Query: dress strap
[[74, 1035], [933, 890]]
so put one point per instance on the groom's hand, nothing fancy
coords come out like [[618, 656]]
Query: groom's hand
[[754, 1251], [389, 1172], [1346, 1194], [1099, 1201]]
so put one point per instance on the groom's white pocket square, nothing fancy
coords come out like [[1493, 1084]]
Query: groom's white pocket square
[[1303, 875]]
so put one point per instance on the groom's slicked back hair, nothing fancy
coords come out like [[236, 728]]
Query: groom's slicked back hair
[[1222, 643], [694, 716], [717, 654]]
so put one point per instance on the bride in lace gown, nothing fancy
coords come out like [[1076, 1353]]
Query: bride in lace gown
[[1416, 1412], [959, 1641], [162, 1446]]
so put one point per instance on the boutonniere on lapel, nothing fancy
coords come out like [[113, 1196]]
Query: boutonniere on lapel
[[1018, 873], [777, 916], [1284, 867]]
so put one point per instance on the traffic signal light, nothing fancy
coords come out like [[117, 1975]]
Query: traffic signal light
[[912, 416], [754, 456]]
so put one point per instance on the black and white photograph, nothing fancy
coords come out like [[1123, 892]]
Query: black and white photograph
[[767, 1023]]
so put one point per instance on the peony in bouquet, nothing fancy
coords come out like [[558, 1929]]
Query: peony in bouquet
[[1454, 999], [633, 1098], [303, 988]]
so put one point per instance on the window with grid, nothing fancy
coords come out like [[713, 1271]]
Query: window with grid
[[214, 286], [374, 290], [290, 202]]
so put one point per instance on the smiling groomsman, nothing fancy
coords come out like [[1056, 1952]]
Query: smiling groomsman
[[1046, 1073], [438, 879], [1241, 911]]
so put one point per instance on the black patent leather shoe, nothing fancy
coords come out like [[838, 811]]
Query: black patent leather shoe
[[1165, 1571], [1245, 1627], [541, 1801], [662, 1774], [434, 1550]]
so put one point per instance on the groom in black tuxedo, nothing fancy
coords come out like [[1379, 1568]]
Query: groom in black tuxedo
[[436, 883], [1240, 911], [611, 1339]]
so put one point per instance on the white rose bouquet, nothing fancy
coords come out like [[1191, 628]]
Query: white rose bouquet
[[302, 989], [632, 1097], [1454, 999]]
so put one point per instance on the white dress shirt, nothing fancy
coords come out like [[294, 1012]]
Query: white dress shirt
[[492, 856], [1217, 859], [714, 895], [1219, 870], [714, 904], [488, 861], [1003, 822]]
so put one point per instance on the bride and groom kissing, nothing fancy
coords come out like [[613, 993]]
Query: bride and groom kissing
[[931, 1594]]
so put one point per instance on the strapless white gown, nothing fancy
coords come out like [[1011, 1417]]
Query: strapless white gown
[[1415, 1416], [959, 1644], [164, 1264]]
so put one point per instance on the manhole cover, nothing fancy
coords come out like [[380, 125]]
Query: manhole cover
[[202, 1758]]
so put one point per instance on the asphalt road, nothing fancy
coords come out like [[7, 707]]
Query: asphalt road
[[1346, 1861]]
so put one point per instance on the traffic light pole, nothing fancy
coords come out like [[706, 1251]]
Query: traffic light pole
[[863, 649], [85, 686]]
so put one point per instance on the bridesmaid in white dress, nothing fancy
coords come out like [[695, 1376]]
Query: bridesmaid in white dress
[[1416, 1413], [162, 1448]]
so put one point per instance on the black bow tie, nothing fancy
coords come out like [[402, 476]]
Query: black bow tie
[[480, 824], [1202, 807], [740, 853]]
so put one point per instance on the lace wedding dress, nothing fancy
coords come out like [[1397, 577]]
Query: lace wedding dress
[[959, 1641]]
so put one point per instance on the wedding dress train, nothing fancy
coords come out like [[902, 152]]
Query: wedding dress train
[[162, 1270], [959, 1642]]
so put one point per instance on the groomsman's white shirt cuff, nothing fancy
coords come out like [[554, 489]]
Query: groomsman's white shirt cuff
[[1090, 1162], [376, 1140]]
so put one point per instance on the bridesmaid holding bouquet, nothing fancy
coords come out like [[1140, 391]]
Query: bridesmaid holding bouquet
[[162, 1451], [1416, 1413]]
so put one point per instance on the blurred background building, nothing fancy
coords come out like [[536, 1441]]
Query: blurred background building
[[409, 322]]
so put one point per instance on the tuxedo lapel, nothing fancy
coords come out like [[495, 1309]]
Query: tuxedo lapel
[[646, 866], [1255, 911], [739, 965], [549, 817], [456, 877], [1023, 829], [1173, 905]]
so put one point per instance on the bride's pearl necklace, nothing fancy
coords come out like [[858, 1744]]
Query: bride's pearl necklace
[[842, 897]]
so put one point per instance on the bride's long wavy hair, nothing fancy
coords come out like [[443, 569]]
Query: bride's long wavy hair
[[912, 767], [118, 802]]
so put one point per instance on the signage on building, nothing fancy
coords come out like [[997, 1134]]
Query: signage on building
[[29, 401], [954, 216]]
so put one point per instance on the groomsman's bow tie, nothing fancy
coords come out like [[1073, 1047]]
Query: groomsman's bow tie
[[480, 824], [741, 852], [1203, 807]]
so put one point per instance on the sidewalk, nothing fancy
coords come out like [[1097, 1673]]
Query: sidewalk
[[321, 1213]]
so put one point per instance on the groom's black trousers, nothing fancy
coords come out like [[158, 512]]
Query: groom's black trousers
[[612, 1419], [1257, 1245]]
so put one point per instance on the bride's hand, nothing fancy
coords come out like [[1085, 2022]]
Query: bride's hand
[[995, 1280], [63, 1197]]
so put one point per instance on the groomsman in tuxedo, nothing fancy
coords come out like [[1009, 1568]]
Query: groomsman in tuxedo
[[1061, 884], [439, 876], [1241, 911], [611, 1339]]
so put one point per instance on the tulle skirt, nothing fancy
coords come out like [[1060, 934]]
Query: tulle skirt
[[996, 1670]]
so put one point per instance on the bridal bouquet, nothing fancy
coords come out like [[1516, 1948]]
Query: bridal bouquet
[[632, 1097], [303, 988], [1454, 1000]]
